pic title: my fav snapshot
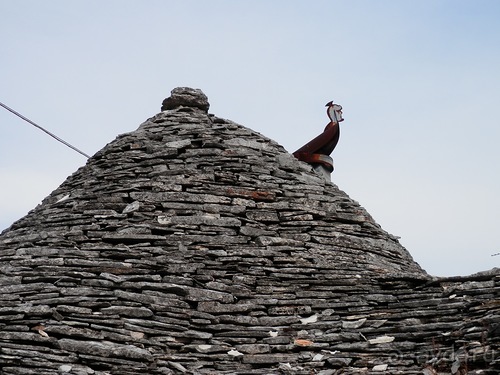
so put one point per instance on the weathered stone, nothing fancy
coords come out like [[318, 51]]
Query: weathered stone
[[104, 349], [353, 324], [381, 340], [186, 97], [253, 348], [215, 307], [269, 358], [136, 312], [134, 206]]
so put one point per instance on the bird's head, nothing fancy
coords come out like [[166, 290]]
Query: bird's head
[[334, 112]]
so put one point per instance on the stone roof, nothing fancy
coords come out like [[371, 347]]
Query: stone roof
[[195, 245]]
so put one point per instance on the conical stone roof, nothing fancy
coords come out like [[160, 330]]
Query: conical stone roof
[[196, 245]]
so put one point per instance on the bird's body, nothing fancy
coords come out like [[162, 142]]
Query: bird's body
[[326, 142]]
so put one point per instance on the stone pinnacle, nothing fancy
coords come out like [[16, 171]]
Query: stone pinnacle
[[186, 97]]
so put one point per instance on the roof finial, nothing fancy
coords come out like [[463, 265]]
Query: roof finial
[[316, 152], [186, 97]]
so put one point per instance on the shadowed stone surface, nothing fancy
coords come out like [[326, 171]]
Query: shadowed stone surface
[[195, 245]]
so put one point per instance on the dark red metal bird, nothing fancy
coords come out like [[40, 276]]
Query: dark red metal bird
[[324, 143]]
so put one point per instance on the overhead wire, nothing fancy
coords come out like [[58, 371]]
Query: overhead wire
[[44, 130]]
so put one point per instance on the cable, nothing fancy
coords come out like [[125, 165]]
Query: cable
[[42, 129]]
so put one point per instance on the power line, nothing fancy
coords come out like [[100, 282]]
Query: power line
[[44, 130]]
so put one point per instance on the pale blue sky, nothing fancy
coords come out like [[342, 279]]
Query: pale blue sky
[[419, 82]]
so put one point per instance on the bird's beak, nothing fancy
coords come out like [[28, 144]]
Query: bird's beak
[[328, 104]]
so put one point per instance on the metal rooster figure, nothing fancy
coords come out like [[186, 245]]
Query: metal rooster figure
[[317, 151]]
